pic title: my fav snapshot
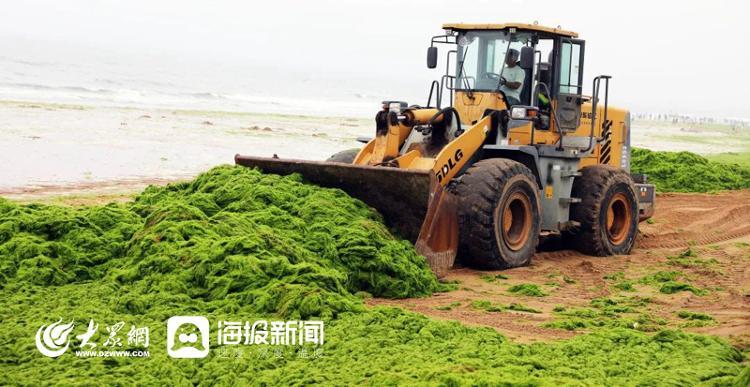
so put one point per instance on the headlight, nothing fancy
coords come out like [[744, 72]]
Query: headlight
[[518, 113], [523, 112]]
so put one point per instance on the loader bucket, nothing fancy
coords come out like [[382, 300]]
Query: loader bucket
[[438, 238], [410, 201]]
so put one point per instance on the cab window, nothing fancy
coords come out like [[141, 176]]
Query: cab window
[[481, 58], [570, 67]]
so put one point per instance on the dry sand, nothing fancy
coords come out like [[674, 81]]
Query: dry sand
[[716, 225]]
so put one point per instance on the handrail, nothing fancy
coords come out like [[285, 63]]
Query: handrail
[[447, 85], [443, 84], [435, 84], [560, 133], [596, 85]]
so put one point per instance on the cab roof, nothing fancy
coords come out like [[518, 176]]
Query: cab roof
[[520, 26]]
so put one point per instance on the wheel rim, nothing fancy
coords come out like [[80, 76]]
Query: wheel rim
[[618, 218], [516, 221]]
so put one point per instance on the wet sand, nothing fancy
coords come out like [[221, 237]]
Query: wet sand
[[59, 149]]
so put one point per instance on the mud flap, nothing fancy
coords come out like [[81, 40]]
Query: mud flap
[[646, 200]]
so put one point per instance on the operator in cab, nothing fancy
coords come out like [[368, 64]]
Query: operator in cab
[[512, 78]]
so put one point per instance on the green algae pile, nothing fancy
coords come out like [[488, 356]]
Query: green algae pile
[[238, 245], [688, 172], [264, 242]]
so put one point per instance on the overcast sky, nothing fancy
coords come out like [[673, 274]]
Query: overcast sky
[[676, 56]]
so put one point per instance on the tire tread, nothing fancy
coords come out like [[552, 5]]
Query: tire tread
[[479, 189]]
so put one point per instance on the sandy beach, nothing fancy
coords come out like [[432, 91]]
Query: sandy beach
[[52, 149], [60, 149]]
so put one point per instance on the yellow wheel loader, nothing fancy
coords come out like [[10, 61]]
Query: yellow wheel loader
[[518, 152]]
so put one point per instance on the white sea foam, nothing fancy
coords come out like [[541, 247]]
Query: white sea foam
[[258, 91]]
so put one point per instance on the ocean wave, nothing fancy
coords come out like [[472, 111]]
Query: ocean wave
[[36, 86], [174, 98], [27, 62], [205, 94]]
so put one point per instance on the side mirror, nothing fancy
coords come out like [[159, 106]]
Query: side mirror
[[527, 57], [432, 57]]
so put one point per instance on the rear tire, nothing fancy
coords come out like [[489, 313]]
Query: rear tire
[[608, 211], [499, 209], [345, 157]]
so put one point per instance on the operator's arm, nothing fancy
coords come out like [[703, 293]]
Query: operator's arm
[[517, 80], [513, 85]]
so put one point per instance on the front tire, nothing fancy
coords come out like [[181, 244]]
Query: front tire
[[499, 221], [607, 213]]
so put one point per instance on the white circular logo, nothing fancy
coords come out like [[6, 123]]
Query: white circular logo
[[52, 340]]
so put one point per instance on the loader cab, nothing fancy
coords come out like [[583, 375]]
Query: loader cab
[[551, 60]]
